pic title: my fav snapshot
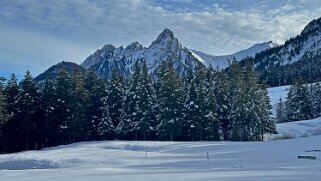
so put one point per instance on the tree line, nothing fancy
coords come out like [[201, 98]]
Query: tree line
[[201, 104], [303, 102]]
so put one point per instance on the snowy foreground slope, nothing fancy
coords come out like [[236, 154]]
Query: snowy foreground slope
[[125, 160], [121, 160]]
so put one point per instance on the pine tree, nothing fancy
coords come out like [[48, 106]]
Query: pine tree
[[200, 123], [4, 116], [11, 126], [115, 97], [80, 97], [315, 99], [298, 105], [105, 127], [213, 126], [240, 129], [146, 103], [130, 117], [281, 115], [170, 101], [96, 123], [62, 107], [48, 98], [191, 116], [266, 121], [223, 100], [28, 112]]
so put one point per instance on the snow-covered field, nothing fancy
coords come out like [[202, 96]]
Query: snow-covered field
[[201, 161], [124, 160]]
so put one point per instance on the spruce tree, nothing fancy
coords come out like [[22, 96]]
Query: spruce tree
[[223, 100], [95, 120], [213, 127], [62, 107], [48, 98], [4, 116], [240, 129], [130, 117], [28, 103], [281, 115], [115, 97], [170, 102], [192, 113], [80, 96], [146, 103], [11, 127]]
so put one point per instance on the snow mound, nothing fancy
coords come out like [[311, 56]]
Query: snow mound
[[297, 129]]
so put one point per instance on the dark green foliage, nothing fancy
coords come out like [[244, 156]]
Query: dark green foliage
[[170, 102], [201, 105]]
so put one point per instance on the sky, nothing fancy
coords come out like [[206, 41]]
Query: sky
[[35, 34]]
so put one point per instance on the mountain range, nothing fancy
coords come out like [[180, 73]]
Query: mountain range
[[267, 56]]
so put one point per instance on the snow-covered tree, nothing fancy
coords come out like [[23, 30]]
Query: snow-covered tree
[[281, 115], [170, 101]]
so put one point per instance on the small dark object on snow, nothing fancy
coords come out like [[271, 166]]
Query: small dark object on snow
[[307, 157]]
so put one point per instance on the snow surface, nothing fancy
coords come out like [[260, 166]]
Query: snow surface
[[223, 61], [125, 160], [297, 129], [153, 160]]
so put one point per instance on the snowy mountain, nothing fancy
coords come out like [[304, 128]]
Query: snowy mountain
[[165, 47], [54, 70], [223, 61], [306, 45], [298, 57]]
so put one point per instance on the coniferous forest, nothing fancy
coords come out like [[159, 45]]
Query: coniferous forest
[[201, 104]]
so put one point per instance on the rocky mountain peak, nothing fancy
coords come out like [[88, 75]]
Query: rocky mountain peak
[[134, 46]]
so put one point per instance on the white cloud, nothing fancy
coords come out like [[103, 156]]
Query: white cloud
[[67, 29]]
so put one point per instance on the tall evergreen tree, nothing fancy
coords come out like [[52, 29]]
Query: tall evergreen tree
[[48, 98], [223, 100], [170, 101], [80, 97], [28, 112], [96, 124], [192, 113], [12, 125], [62, 106], [240, 129], [298, 104], [4, 116], [115, 97], [130, 117], [281, 115], [146, 103], [213, 126]]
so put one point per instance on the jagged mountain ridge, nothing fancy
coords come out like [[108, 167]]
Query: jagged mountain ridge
[[166, 46]]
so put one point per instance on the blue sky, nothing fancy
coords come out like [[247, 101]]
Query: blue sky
[[35, 34]]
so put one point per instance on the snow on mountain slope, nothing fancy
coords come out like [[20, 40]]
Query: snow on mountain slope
[[165, 47], [304, 47], [223, 61], [158, 161]]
